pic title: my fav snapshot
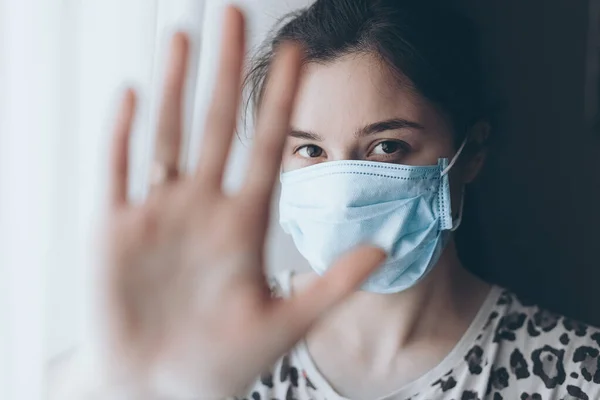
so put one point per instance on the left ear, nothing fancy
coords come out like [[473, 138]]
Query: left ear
[[476, 149]]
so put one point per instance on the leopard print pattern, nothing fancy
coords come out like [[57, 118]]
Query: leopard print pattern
[[521, 352]]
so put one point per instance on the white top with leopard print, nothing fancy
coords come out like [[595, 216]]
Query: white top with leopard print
[[512, 350]]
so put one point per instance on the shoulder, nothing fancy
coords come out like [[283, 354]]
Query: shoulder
[[524, 322], [537, 348]]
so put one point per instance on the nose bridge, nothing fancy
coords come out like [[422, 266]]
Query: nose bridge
[[343, 151]]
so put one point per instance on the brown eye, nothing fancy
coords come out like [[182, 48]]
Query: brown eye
[[388, 147], [310, 151]]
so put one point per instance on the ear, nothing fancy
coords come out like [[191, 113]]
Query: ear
[[476, 150]]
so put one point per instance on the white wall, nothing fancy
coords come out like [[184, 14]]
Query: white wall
[[29, 117]]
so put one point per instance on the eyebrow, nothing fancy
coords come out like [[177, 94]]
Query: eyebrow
[[377, 127]]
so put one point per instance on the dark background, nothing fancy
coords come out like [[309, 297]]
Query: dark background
[[532, 220]]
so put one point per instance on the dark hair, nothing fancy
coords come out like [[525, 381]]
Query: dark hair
[[425, 41]]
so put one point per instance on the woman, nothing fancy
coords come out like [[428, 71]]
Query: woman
[[385, 127]]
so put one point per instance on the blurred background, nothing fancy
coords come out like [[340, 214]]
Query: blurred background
[[531, 220]]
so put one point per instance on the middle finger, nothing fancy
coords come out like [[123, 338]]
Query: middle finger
[[222, 114], [168, 135]]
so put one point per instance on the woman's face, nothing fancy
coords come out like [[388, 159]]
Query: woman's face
[[353, 109]]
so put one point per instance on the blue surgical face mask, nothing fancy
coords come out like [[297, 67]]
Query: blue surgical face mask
[[330, 208]]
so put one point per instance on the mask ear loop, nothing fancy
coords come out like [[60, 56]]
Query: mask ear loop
[[456, 223], [455, 158]]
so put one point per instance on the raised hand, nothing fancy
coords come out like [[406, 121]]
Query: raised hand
[[188, 308]]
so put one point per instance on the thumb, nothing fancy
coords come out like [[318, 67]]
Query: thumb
[[305, 308]]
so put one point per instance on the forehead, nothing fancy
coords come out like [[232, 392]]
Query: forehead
[[353, 91]]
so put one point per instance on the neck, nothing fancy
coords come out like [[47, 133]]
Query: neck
[[437, 310]]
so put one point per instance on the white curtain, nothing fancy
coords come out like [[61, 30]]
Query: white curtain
[[63, 64]]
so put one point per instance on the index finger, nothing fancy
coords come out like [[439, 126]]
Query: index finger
[[273, 123]]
